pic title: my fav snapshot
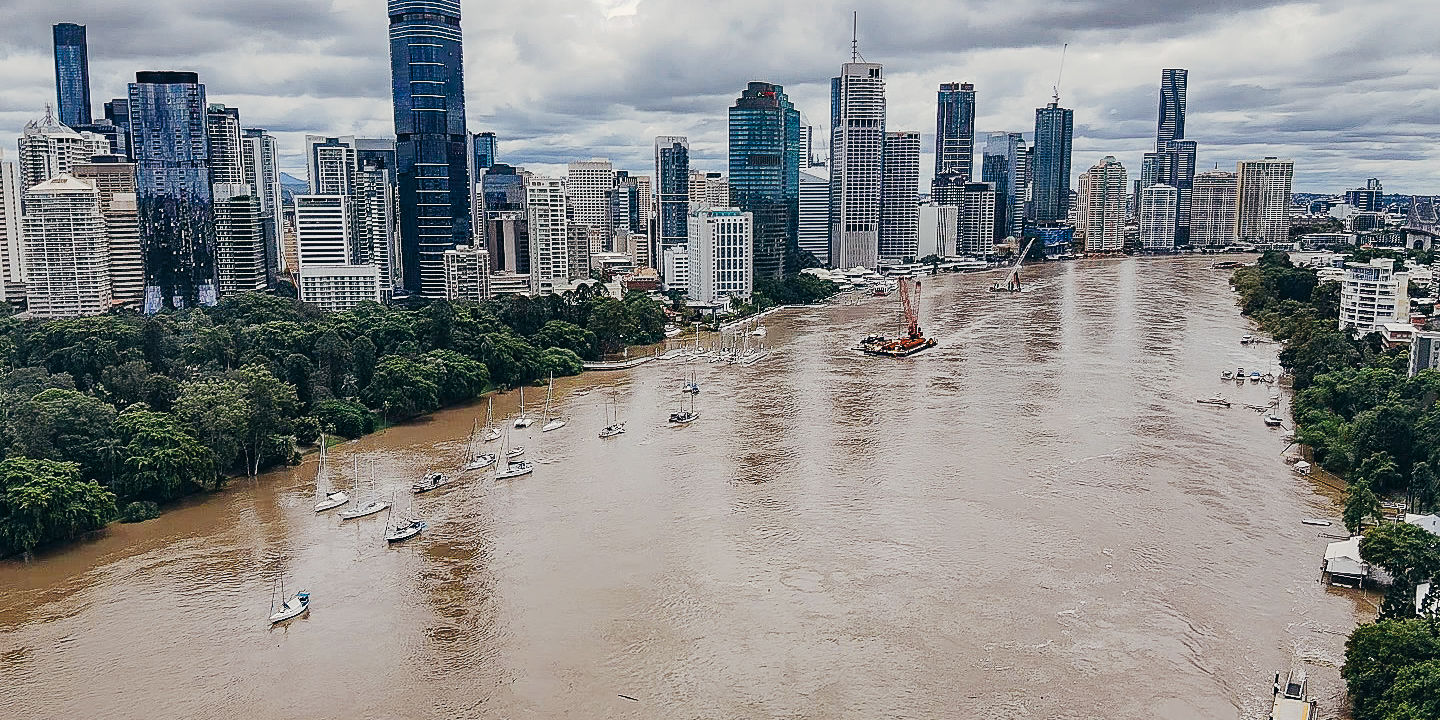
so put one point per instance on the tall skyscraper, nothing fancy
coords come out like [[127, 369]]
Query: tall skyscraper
[[240, 251], [765, 157], [549, 231], [260, 159], [330, 164], [375, 227], [324, 231], [72, 74], [49, 148], [114, 183], [814, 219], [1212, 209], [1104, 204], [12, 238], [1004, 167], [975, 220], [483, 149], [172, 170], [857, 149], [588, 187], [1263, 200], [507, 232], [900, 197], [67, 258], [672, 189], [117, 113], [1050, 172], [955, 130], [433, 172], [1158, 205], [1171, 125], [226, 153]]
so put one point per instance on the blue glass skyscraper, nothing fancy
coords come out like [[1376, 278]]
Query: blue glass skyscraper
[[765, 172], [72, 74], [672, 189], [484, 151], [955, 130], [1171, 123], [433, 171], [172, 172], [1050, 175]]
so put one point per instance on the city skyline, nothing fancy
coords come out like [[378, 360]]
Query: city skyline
[[325, 71]]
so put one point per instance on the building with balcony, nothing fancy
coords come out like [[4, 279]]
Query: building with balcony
[[1373, 294]]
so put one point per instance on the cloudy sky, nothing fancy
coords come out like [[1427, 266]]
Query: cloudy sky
[[1348, 90]]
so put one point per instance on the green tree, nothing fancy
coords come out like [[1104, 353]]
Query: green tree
[[1375, 657], [403, 388], [1410, 554], [569, 336], [44, 501], [214, 409], [1360, 504], [66, 426], [163, 461], [457, 378], [559, 362], [350, 419]]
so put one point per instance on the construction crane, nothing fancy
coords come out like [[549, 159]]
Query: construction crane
[[913, 341], [910, 306], [1061, 74], [1012, 280]]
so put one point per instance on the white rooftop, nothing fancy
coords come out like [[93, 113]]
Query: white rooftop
[[1429, 522], [1343, 558]]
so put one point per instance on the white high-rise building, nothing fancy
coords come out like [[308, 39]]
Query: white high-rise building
[[48, 148], [335, 288], [1263, 200], [722, 254], [589, 185], [115, 184], [227, 154], [323, 230], [900, 202], [975, 220], [67, 258], [549, 231], [375, 229], [1373, 294], [330, 164], [467, 274], [814, 220], [857, 149], [1104, 207], [1212, 209], [239, 240], [675, 266], [12, 237], [260, 158], [938, 229], [1158, 207]]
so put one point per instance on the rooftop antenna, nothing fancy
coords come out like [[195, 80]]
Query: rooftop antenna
[[855, 55], [1056, 95]]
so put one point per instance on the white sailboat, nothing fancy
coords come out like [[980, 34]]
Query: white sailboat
[[403, 530], [522, 420], [370, 508], [552, 422], [335, 498], [685, 417], [615, 427], [491, 432], [293, 606], [513, 469], [477, 460]]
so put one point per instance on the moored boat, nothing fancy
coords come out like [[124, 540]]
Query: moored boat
[[1216, 400], [294, 606], [1292, 700], [514, 470], [481, 461], [401, 533], [369, 508]]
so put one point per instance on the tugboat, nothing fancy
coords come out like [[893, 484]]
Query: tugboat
[[914, 340], [1292, 700]]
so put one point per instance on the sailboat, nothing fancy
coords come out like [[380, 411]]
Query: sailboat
[[691, 386], [293, 606], [369, 508], [552, 422], [478, 460], [491, 432], [513, 469], [402, 531], [333, 499], [685, 417], [522, 420], [615, 427]]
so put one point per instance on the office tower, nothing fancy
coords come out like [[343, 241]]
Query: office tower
[[1212, 210], [1158, 206], [955, 130], [807, 142], [645, 191], [114, 183], [721, 261], [117, 113], [49, 149], [1082, 207], [1003, 166], [483, 150], [507, 231], [975, 220], [375, 229], [1104, 207], [12, 238], [1179, 168], [589, 185], [1050, 170], [938, 226], [172, 169], [579, 246], [857, 142], [813, 235], [226, 153], [672, 189], [764, 165], [376, 152], [330, 164], [260, 159], [1263, 200], [675, 268], [625, 204], [549, 231], [72, 74], [467, 274], [240, 250], [1171, 125], [900, 197], [432, 170], [1366, 199], [67, 256], [324, 230]]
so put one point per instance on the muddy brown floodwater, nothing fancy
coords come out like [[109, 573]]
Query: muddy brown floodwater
[[1033, 520]]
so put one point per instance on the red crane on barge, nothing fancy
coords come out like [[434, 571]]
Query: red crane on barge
[[913, 341]]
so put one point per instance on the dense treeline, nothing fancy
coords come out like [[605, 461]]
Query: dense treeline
[[112, 416], [1364, 419]]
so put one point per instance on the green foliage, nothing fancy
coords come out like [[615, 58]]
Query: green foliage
[[139, 511], [44, 501], [403, 388], [569, 336], [1410, 554], [1386, 664], [66, 426], [342, 417], [1360, 505], [162, 460], [799, 289]]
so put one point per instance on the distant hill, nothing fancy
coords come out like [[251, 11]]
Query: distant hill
[[290, 186]]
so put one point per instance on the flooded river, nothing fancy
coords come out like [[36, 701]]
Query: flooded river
[[1033, 520]]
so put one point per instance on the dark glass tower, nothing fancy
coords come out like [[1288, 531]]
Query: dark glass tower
[[765, 172], [1171, 125], [484, 151], [172, 171], [1050, 174], [72, 74], [955, 130], [672, 189], [430, 141]]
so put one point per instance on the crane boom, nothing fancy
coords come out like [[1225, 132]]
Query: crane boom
[[910, 305], [1012, 281], [1061, 74]]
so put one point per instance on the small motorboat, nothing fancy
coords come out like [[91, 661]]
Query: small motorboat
[[297, 605], [553, 424], [480, 462], [332, 501], [369, 508], [612, 430], [1292, 700], [684, 417], [430, 482], [401, 533], [1255, 376], [512, 454], [1217, 400], [1227, 375], [1316, 522], [514, 470], [1247, 339], [491, 435], [691, 388], [1273, 421], [1268, 378]]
